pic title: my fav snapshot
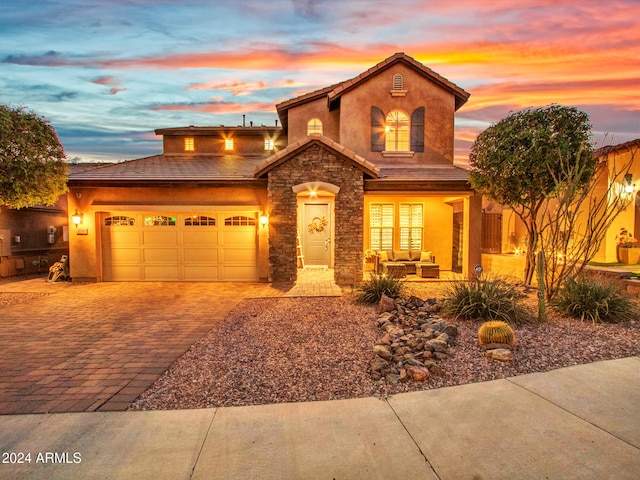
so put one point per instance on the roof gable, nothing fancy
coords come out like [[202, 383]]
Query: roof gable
[[334, 92], [293, 149]]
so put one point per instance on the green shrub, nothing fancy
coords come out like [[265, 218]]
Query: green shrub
[[488, 299], [371, 291], [593, 299]]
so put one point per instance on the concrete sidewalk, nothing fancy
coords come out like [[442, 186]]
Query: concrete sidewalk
[[580, 422]]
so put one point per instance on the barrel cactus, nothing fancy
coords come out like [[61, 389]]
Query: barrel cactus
[[496, 332]]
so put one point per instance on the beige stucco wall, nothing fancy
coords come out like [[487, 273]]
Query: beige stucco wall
[[299, 117], [355, 113]]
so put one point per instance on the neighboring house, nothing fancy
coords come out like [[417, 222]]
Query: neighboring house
[[363, 165], [33, 239], [504, 237], [615, 157]]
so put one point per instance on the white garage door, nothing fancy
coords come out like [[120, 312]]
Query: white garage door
[[140, 246]]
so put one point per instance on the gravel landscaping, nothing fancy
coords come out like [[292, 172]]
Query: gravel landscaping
[[320, 348]]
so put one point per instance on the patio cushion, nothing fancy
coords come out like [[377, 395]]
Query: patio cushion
[[414, 255], [425, 257], [401, 256]]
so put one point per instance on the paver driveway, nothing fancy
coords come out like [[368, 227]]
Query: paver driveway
[[88, 347]]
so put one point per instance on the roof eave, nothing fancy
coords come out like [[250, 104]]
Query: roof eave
[[441, 186], [195, 183]]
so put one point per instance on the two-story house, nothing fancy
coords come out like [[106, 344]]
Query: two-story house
[[364, 165]]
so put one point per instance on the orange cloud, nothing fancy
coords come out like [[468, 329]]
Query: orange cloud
[[235, 88]]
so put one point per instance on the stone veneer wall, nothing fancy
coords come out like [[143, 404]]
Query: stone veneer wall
[[316, 164]]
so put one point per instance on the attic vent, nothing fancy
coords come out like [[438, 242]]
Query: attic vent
[[397, 89], [398, 82]]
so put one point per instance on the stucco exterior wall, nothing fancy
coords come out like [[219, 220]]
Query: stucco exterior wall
[[316, 164], [299, 118], [355, 116]]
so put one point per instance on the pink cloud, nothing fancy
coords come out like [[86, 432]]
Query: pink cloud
[[235, 88]]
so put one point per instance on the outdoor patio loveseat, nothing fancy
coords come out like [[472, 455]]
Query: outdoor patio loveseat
[[398, 263]]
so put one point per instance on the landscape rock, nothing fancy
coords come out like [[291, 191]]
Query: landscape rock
[[386, 304], [418, 374], [414, 337], [501, 354]]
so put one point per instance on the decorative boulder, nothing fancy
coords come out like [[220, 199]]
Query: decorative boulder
[[386, 304], [501, 354]]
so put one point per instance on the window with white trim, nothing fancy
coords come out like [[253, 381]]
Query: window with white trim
[[381, 226], [411, 226], [199, 221], [159, 221], [239, 221], [397, 131], [119, 221], [314, 126]]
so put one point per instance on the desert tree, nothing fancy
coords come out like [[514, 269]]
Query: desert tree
[[522, 162], [33, 170]]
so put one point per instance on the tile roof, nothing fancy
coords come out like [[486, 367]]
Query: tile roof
[[173, 168], [600, 152], [282, 155], [444, 173]]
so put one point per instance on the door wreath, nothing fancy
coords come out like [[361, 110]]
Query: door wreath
[[318, 224]]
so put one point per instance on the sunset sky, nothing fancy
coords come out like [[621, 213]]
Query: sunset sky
[[107, 73]]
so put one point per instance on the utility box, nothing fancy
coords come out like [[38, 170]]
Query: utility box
[[5, 242]]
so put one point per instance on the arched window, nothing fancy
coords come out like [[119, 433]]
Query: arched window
[[397, 131], [314, 126]]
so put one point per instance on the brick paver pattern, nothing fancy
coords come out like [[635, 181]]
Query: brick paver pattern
[[97, 347]]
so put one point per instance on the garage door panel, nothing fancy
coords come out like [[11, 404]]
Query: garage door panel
[[127, 255], [239, 237], [200, 237], [161, 255], [161, 272], [238, 273], [201, 255], [239, 256], [201, 272], [124, 237], [124, 273], [160, 237]]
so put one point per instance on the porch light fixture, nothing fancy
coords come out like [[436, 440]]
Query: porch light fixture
[[76, 218], [629, 186], [264, 219]]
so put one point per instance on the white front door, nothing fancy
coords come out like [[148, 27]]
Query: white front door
[[316, 234]]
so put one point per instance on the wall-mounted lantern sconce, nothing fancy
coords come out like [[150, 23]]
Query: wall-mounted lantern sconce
[[76, 218], [629, 186], [264, 219]]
